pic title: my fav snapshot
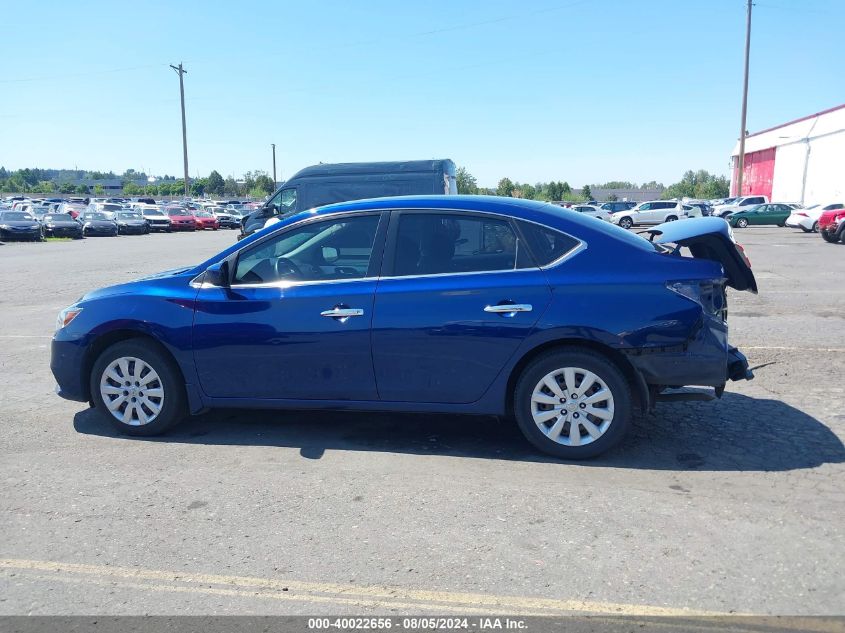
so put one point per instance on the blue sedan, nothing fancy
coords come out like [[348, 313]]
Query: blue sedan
[[459, 304]]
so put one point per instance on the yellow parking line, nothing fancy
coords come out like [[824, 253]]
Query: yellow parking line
[[319, 592]]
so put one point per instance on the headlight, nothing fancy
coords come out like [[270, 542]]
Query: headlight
[[67, 315]]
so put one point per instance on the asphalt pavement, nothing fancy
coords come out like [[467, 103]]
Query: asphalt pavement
[[731, 506]]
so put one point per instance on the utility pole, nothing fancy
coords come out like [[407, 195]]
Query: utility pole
[[181, 72], [741, 158], [273, 145]]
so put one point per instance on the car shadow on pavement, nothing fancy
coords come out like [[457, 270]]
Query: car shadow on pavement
[[737, 433]]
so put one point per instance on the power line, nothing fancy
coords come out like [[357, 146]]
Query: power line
[[75, 75]]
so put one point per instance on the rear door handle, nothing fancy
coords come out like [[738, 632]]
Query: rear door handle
[[342, 313], [507, 308]]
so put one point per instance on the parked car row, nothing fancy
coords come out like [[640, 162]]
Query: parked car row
[[24, 218]]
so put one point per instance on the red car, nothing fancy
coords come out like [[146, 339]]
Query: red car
[[206, 220], [832, 225], [181, 219]]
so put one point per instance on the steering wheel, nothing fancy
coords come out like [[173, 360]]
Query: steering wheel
[[286, 267]]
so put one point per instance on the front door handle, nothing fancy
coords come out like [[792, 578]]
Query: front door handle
[[342, 313], [509, 308]]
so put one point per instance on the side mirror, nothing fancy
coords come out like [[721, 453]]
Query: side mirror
[[271, 209], [217, 275], [330, 254]]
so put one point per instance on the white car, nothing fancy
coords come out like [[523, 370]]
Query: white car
[[155, 217], [652, 212], [739, 204], [807, 219], [591, 210]]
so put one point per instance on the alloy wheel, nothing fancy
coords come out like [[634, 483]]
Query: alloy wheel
[[572, 406], [132, 391]]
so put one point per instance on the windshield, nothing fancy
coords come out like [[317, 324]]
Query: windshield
[[203, 214], [15, 215], [59, 217], [130, 215], [96, 216], [112, 207], [177, 211]]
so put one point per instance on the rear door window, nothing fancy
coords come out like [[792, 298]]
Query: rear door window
[[436, 244]]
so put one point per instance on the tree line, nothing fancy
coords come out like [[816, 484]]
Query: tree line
[[255, 184], [694, 184]]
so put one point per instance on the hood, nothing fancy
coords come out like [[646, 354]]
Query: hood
[[132, 286], [709, 238]]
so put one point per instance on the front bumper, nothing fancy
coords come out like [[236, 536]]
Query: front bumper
[[15, 234], [67, 360], [134, 230], [64, 232]]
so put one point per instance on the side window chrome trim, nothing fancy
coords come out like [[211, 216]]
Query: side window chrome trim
[[282, 285]]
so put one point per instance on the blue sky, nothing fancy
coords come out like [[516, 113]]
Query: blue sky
[[584, 91]]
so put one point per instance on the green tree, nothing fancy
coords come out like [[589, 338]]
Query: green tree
[[230, 187], [565, 189], [505, 187], [525, 191], [215, 184], [98, 190], [67, 187], [466, 182], [131, 189], [264, 183], [586, 193], [82, 189], [198, 187], [612, 198], [698, 184]]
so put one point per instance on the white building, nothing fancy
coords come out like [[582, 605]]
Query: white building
[[800, 161]]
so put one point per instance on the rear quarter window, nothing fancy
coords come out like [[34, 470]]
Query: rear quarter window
[[547, 244]]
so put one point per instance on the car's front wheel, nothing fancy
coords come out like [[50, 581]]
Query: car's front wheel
[[573, 403], [742, 223], [671, 218], [829, 237], [137, 388], [626, 223]]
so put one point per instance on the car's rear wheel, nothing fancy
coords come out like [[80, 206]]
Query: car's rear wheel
[[671, 218], [626, 223], [829, 237], [742, 223], [573, 403], [815, 227], [137, 388]]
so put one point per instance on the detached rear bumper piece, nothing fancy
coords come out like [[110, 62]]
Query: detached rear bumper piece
[[738, 365]]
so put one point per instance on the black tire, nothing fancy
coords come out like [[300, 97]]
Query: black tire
[[587, 360], [671, 218], [626, 223], [829, 237], [815, 227], [741, 223], [173, 409], [782, 224], [805, 230]]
